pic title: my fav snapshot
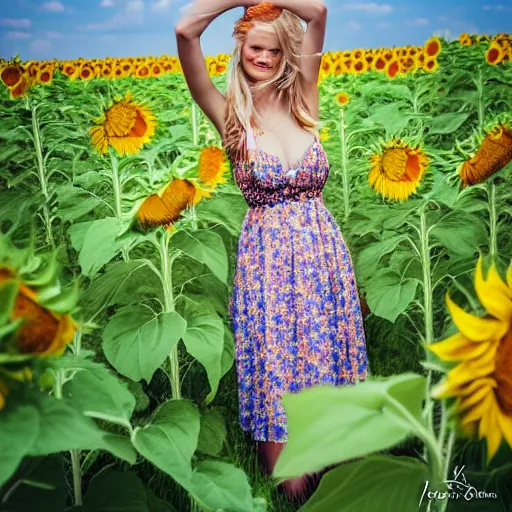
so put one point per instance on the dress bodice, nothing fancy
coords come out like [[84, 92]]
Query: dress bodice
[[263, 181]]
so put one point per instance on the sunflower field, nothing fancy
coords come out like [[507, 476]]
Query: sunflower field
[[119, 221]]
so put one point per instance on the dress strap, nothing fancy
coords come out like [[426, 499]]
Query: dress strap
[[251, 139]]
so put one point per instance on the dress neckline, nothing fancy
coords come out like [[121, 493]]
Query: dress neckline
[[275, 157]]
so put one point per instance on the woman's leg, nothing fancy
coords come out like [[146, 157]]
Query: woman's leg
[[295, 488]]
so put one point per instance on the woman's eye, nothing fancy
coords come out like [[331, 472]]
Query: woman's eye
[[275, 52]]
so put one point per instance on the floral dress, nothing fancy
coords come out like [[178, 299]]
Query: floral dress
[[295, 308]]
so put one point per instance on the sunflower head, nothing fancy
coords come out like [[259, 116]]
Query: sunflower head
[[43, 331], [126, 126], [342, 98], [397, 172], [324, 134], [481, 380], [212, 166], [433, 47], [165, 207]]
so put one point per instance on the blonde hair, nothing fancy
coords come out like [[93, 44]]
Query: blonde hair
[[241, 113]]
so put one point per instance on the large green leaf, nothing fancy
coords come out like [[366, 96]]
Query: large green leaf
[[212, 433], [369, 258], [170, 440], [62, 427], [390, 116], [227, 209], [100, 245], [206, 247], [19, 427], [204, 340], [8, 294], [75, 202], [113, 491], [377, 484], [99, 394], [219, 485], [388, 295], [136, 342], [332, 424], [447, 122]]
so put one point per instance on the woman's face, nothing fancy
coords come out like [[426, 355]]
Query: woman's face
[[261, 53]]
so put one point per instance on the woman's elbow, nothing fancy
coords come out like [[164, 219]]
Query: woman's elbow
[[182, 30], [321, 9]]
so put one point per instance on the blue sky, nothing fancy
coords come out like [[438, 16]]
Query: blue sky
[[68, 29]]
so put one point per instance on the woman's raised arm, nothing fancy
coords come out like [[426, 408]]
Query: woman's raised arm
[[188, 31]]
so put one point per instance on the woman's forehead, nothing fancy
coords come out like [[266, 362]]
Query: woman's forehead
[[263, 35]]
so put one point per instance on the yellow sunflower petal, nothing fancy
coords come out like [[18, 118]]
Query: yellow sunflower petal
[[478, 412], [475, 397], [474, 368], [493, 293], [509, 276], [473, 327], [457, 348], [489, 429]]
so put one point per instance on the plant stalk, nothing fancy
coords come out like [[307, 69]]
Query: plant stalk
[[77, 477], [116, 184], [344, 165], [43, 180], [493, 238], [168, 308], [195, 130]]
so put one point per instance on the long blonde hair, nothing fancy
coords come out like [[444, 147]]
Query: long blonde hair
[[241, 113]]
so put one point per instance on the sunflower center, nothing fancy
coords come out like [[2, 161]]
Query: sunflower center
[[394, 163], [502, 373], [140, 127]]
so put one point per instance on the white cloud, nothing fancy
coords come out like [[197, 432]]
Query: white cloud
[[370, 8], [161, 5], [41, 47], [53, 7], [107, 3], [353, 26], [446, 33], [131, 15], [15, 22], [15, 34], [495, 7], [417, 22]]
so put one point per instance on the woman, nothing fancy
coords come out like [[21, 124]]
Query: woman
[[295, 309]]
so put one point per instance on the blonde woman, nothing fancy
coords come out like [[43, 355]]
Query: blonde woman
[[294, 308]]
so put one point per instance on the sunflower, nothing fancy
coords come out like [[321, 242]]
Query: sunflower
[[23, 85], [42, 332], [465, 39], [494, 154], [324, 134], [392, 68], [212, 166], [494, 54], [430, 65], [166, 206], [44, 75], [342, 98], [126, 126], [11, 74], [86, 72], [397, 172], [481, 381], [433, 47]]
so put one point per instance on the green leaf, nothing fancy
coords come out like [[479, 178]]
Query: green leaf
[[99, 394], [332, 424], [8, 294], [100, 244], [122, 282], [227, 209], [204, 340], [19, 427], [75, 202], [77, 233], [447, 122], [388, 296], [377, 484], [228, 353], [170, 440], [206, 247], [136, 342], [219, 485], [212, 433], [113, 491], [390, 116], [65, 301], [460, 233], [40, 484], [369, 258], [63, 427]]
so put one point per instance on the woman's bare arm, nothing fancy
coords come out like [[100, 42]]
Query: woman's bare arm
[[188, 32]]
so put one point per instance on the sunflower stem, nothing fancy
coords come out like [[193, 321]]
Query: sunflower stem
[[427, 308], [491, 195], [168, 308], [77, 477], [43, 178], [344, 165], [195, 131], [116, 184], [481, 106]]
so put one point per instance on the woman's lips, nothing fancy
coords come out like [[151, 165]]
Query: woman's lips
[[261, 67]]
